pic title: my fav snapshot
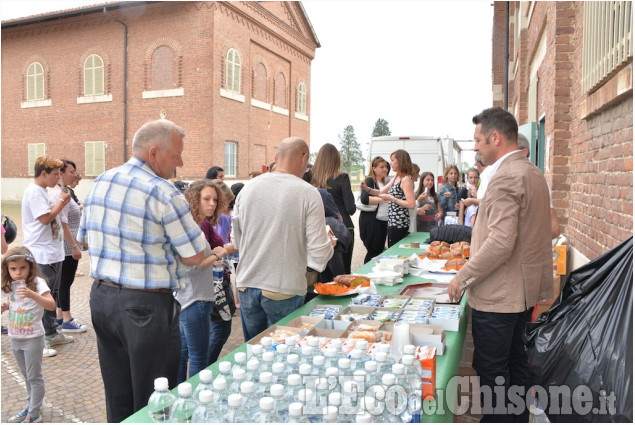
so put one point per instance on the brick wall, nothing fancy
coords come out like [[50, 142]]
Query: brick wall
[[199, 35]]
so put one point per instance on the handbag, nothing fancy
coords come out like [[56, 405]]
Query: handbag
[[363, 207]]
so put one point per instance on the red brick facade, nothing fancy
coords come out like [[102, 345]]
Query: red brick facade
[[171, 46], [590, 154]]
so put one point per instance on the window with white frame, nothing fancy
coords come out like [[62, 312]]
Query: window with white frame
[[35, 82], [231, 158], [302, 98], [232, 71], [93, 76], [95, 158], [35, 150]]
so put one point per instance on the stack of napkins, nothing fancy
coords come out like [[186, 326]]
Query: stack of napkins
[[389, 271]]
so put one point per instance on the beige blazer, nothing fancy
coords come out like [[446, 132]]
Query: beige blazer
[[510, 268]]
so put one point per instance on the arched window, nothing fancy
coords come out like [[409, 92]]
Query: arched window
[[302, 98], [93, 76], [280, 93], [260, 82], [35, 82], [232, 71], [163, 69]]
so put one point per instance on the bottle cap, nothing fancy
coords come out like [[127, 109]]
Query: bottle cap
[[282, 348], [330, 352], [314, 342], [344, 363], [247, 387], [205, 396], [322, 384], [205, 376], [253, 364], [294, 379], [332, 371], [388, 379], [161, 384], [408, 359], [362, 345], [268, 356], [220, 383], [277, 367], [335, 399], [363, 418], [295, 409], [385, 348], [276, 390], [350, 387], [266, 341], [381, 356], [185, 389], [330, 413], [318, 360], [305, 395], [291, 341], [293, 359], [359, 375], [336, 343], [370, 366], [224, 367], [239, 374], [307, 351], [266, 377], [398, 369], [356, 353], [235, 400], [409, 349], [305, 369], [240, 357], [266, 403], [257, 349]]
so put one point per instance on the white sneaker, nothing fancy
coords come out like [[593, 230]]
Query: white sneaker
[[60, 339], [48, 352]]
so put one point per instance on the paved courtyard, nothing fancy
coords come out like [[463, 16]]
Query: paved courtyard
[[74, 386]]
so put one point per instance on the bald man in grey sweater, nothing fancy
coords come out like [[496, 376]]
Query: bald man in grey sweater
[[278, 221]]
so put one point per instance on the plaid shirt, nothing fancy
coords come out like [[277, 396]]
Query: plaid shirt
[[137, 225]]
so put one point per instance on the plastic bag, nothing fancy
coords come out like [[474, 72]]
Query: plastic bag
[[585, 339]]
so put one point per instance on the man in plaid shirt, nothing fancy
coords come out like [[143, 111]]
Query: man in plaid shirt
[[141, 238]]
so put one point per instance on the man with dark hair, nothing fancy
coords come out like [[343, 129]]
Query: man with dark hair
[[510, 267], [215, 172], [43, 235], [141, 239]]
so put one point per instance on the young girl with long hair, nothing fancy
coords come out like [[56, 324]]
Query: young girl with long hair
[[326, 174], [28, 296], [200, 337], [429, 210], [449, 192], [373, 224], [400, 192]]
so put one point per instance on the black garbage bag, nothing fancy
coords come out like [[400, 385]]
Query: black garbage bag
[[585, 339], [451, 233]]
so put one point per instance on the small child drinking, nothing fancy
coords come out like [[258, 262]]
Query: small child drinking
[[28, 296]]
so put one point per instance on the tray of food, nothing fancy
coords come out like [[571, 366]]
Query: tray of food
[[436, 291], [345, 285]]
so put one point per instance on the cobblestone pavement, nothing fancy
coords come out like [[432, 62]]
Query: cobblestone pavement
[[74, 386]]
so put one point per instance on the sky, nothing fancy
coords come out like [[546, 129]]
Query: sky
[[424, 66]]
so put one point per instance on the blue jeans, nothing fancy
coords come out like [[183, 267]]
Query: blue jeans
[[259, 313], [195, 325], [219, 334]]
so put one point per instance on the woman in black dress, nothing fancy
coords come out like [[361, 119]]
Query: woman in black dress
[[373, 224]]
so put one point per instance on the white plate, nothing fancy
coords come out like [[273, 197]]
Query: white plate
[[372, 289]]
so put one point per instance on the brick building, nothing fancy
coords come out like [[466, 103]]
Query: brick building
[[79, 83], [570, 86]]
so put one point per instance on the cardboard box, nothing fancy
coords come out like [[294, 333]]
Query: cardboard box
[[559, 260], [338, 325], [325, 333], [356, 310], [428, 335], [305, 323], [271, 332], [427, 356]]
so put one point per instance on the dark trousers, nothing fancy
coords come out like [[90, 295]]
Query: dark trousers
[[348, 255], [69, 267], [373, 233], [138, 340], [396, 234], [499, 352], [52, 274]]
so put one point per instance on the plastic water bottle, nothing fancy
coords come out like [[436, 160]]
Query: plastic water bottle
[[278, 371], [184, 406], [383, 363], [363, 418], [332, 378], [409, 349], [314, 343], [371, 372], [239, 376], [218, 276], [294, 384], [318, 366], [267, 415], [282, 351], [161, 401], [204, 382], [250, 401], [225, 371], [253, 366], [335, 399], [281, 406], [330, 357], [413, 375], [264, 382], [351, 394], [240, 361], [296, 414], [220, 394], [235, 412], [331, 415], [322, 391], [402, 407], [267, 344], [256, 352], [386, 398], [207, 411], [305, 371], [292, 343], [306, 355], [268, 357], [363, 345], [337, 344], [307, 398], [344, 367], [293, 364], [355, 357], [361, 378]]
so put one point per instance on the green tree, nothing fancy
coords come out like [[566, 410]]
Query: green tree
[[350, 151], [381, 128]]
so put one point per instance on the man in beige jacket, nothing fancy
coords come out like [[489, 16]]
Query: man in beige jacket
[[510, 269]]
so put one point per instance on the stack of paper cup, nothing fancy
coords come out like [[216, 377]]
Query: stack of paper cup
[[400, 338]]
